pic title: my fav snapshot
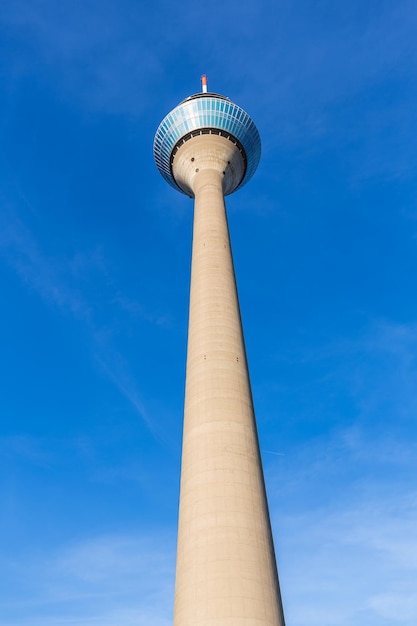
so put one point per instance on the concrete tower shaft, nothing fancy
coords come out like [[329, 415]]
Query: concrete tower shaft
[[226, 569]]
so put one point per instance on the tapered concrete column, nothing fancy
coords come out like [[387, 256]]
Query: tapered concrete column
[[226, 570]]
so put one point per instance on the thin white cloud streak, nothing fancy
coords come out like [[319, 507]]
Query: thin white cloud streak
[[375, 367], [137, 310], [340, 562], [110, 580], [344, 505], [116, 370], [123, 617], [116, 562], [384, 379], [31, 449], [52, 279], [41, 274], [340, 565], [345, 519], [399, 607]]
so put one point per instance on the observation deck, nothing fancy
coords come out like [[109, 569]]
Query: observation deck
[[206, 113]]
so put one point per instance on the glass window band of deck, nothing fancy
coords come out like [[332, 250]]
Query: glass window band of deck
[[204, 113]]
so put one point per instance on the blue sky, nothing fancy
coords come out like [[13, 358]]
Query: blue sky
[[94, 267]]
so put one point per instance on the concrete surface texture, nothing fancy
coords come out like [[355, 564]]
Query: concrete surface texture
[[226, 568]]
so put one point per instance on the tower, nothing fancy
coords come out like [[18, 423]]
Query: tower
[[226, 574]]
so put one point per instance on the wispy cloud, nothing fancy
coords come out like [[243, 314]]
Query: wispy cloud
[[97, 580], [30, 449], [399, 606], [117, 371], [137, 309], [374, 366], [60, 282], [42, 274], [343, 562], [344, 503]]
